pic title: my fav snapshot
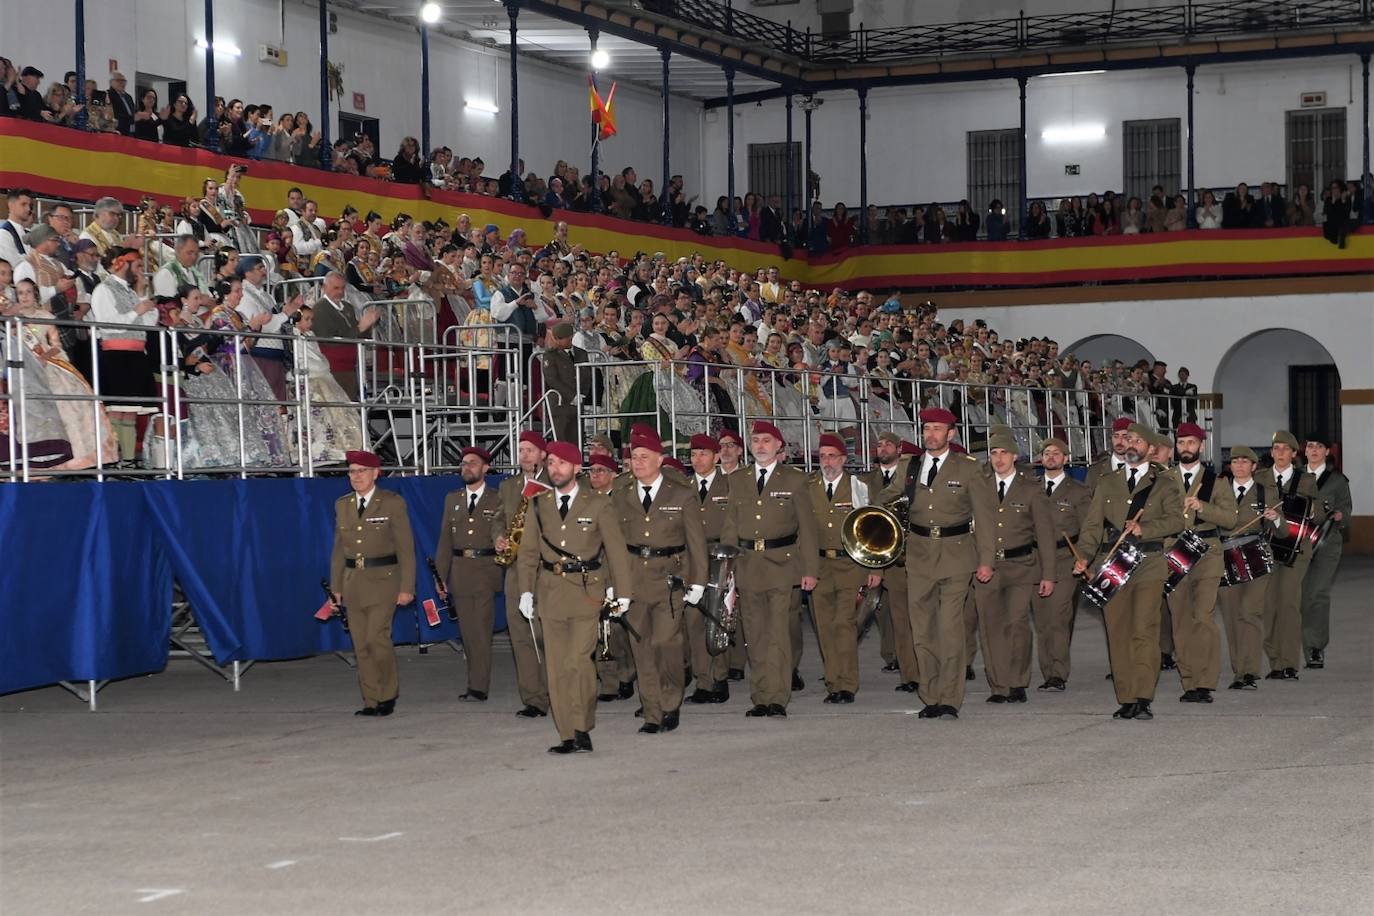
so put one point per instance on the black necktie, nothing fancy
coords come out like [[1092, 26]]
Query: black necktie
[[930, 475], [648, 500], [1049, 488], [1001, 490], [830, 492], [472, 504], [1187, 480], [763, 476], [563, 506], [1240, 493], [1130, 480], [362, 504], [702, 491], [887, 479]]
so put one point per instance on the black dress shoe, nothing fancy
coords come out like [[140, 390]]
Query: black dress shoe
[[627, 689], [1275, 675], [758, 710], [1316, 659], [929, 712], [1127, 711], [996, 698], [908, 687], [639, 713], [607, 697], [831, 698], [670, 720], [797, 682], [531, 712], [891, 666], [721, 692], [648, 728], [968, 672], [1017, 695], [1290, 674], [948, 713], [1054, 683], [735, 674], [582, 741], [474, 696], [701, 695], [366, 711], [1189, 696], [1238, 684], [1204, 694], [1166, 662], [846, 696], [564, 747], [776, 710], [1251, 682], [1108, 677], [386, 707], [1142, 711]]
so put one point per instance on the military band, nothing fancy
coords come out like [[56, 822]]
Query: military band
[[1052, 615], [712, 491], [885, 483]]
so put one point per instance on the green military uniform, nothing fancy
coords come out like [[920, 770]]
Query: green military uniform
[[1102, 467], [560, 375], [1053, 616], [1283, 600], [373, 562], [737, 656], [465, 553], [1242, 604], [667, 539], [951, 534], [568, 599], [1132, 616], [711, 671], [1334, 489], [775, 529], [894, 625], [616, 675], [531, 677], [1193, 602], [834, 599]]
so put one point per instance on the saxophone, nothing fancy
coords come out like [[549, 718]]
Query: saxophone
[[514, 533]]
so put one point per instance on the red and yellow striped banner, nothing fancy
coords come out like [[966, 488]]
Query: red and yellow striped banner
[[65, 163]]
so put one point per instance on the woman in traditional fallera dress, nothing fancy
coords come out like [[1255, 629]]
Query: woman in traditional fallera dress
[[335, 429], [663, 391]]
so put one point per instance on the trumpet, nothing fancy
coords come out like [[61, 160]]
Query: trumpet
[[874, 536]]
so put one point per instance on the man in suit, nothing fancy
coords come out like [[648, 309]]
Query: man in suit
[[531, 676], [1052, 615], [660, 519], [1334, 489], [950, 542], [1024, 567], [1208, 504], [834, 494], [1283, 601], [1114, 460], [712, 492], [572, 561], [336, 318], [769, 518], [122, 103], [560, 375], [1237, 210], [1143, 502], [1270, 210], [466, 552], [1242, 603], [885, 484], [371, 573]]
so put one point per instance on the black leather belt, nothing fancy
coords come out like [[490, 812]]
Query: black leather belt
[[767, 543], [942, 531], [1023, 551], [371, 562], [1065, 542], [832, 554], [571, 566], [1151, 546], [475, 552], [645, 553]]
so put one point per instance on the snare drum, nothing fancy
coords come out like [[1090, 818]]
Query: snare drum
[[1114, 574], [1295, 530], [1246, 559], [1182, 557]]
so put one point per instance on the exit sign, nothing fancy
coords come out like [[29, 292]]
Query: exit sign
[[1313, 100], [1071, 170], [359, 102]]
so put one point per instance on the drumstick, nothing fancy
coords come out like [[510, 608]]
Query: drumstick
[[1254, 520], [1123, 531], [1078, 557]]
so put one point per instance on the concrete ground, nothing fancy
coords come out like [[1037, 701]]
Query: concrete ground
[[181, 796]]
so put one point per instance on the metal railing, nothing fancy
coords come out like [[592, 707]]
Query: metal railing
[[806, 403]]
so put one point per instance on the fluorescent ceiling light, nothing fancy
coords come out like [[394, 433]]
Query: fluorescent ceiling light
[[600, 59], [1073, 73], [430, 13], [220, 47], [1074, 133], [488, 107]]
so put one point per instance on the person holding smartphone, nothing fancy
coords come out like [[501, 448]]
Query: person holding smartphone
[[516, 304]]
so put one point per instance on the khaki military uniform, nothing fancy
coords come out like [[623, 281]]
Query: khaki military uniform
[[775, 530], [1024, 554], [1100, 468], [466, 557], [834, 599], [531, 677], [1053, 616], [667, 540], [560, 375], [1334, 489], [894, 624], [620, 668], [1283, 601], [1193, 602], [940, 568], [709, 670], [1242, 605], [372, 563], [1132, 616], [737, 657], [569, 602]]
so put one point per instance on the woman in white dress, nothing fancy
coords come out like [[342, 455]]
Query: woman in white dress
[[334, 430]]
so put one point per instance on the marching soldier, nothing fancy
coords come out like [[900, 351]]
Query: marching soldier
[[951, 523], [664, 536], [465, 551], [1114, 460], [1334, 489], [1208, 504], [372, 572], [1242, 603], [572, 561], [1024, 554], [769, 518], [885, 483], [731, 460], [531, 678], [1053, 615], [1144, 502], [712, 492], [834, 494], [616, 675], [1282, 603]]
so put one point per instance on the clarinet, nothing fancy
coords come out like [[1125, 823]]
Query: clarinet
[[440, 589]]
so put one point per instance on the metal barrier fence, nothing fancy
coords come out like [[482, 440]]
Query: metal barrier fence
[[804, 404], [215, 413]]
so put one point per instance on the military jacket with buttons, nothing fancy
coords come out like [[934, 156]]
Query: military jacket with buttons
[[1024, 518], [591, 533], [712, 511], [460, 532], [509, 492], [383, 530], [673, 520], [957, 496], [1218, 513], [782, 510], [880, 493], [1161, 519], [831, 513], [1068, 507]]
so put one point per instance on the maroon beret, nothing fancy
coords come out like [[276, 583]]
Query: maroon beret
[[938, 415], [652, 442], [671, 462], [603, 461], [479, 452], [833, 441], [1121, 424], [910, 448], [731, 435], [366, 459], [1191, 429], [643, 429], [764, 428], [533, 438], [701, 440], [566, 451]]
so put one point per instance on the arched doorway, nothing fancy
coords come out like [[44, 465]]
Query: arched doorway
[[1103, 348], [1277, 378]]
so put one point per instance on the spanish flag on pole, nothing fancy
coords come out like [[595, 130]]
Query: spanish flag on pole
[[603, 113]]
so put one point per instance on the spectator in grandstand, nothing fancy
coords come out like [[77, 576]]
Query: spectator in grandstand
[[211, 123], [1341, 211], [28, 98], [1238, 209], [62, 107], [840, 229], [179, 123], [230, 203], [260, 313], [996, 224], [1209, 212], [336, 429], [180, 270], [126, 384], [1270, 211], [121, 102], [1038, 222], [1302, 210], [148, 119], [408, 165], [13, 229], [1176, 219]]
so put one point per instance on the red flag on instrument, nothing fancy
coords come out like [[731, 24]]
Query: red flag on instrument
[[533, 488], [326, 610], [431, 612], [603, 112]]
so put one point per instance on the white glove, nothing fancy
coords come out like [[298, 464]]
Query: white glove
[[527, 605], [695, 593], [622, 605], [610, 593]]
